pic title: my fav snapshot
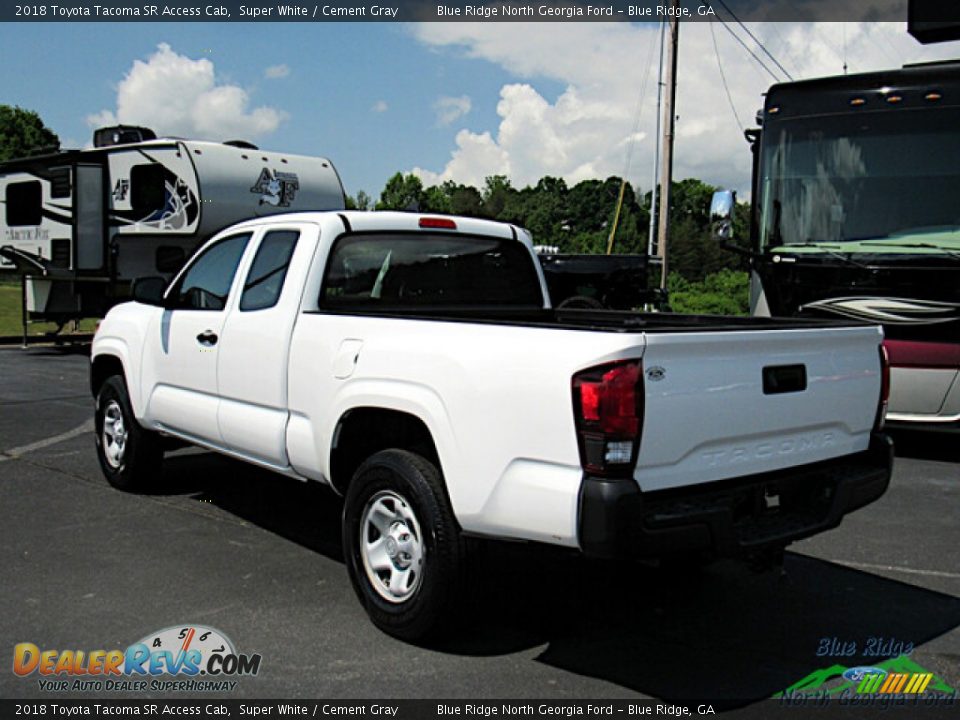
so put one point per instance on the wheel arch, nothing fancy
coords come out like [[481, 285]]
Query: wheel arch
[[102, 367], [363, 431], [113, 355]]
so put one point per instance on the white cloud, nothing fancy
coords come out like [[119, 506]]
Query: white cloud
[[476, 157], [275, 72], [380, 106], [585, 131], [449, 109], [175, 95]]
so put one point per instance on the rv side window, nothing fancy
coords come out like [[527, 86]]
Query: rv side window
[[206, 283], [147, 195], [269, 270], [24, 203]]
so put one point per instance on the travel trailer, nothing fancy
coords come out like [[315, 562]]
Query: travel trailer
[[80, 225]]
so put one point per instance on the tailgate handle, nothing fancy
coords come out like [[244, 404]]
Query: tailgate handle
[[778, 379]]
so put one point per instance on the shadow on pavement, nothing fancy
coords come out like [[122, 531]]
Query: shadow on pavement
[[305, 513], [728, 635], [721, 634], [927, 445]]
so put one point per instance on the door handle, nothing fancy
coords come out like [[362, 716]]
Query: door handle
[[207, 338]]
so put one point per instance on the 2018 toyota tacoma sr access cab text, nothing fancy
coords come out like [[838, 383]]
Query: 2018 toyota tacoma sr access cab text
[[414, 364]]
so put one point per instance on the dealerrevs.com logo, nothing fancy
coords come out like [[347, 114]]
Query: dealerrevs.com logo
[[179, 658]]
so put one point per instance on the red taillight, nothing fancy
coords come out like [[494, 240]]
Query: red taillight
[[608, 409], [884, 389], [438, 222]]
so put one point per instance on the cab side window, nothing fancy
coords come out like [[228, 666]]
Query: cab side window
[[269, 270], [206, 283]]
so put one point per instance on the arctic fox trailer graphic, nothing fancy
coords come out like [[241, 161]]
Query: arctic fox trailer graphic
[[82, 224]]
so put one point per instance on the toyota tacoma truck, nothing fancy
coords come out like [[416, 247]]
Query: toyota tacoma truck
[[414, 364]]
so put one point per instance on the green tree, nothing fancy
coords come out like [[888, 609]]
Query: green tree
[[496, 194], [690, 198], [454, 199], [23, 133], [402, 192], [363, 201], [691, 249], [546, 212], [436, 198], [466, 200], [726, 292]]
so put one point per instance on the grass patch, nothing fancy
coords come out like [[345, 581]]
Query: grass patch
[[723, 293], [10, 314]]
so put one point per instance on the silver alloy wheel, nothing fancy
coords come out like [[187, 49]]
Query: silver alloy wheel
[[114, 434], [391, 546]]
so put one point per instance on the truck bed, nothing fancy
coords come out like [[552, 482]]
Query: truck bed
[[618, 321]]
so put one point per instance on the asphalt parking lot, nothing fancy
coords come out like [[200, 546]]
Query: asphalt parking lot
[[258, 557]]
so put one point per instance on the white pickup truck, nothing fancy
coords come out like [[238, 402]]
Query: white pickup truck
[[414, 364]]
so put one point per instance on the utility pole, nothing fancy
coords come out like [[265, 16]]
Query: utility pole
[[651, 238], [666, 168]]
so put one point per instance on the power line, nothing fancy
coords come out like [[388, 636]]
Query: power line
[[638, 111], [843, 26], [626, 171], [756, 40], [881, 31], [872, 37], [723, 78], [785, 46], [752, 53], [825, 38]]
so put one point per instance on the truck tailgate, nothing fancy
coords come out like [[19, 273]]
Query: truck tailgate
[[727, 404]]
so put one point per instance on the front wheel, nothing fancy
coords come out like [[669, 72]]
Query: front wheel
[[129, 455], [404, 552]]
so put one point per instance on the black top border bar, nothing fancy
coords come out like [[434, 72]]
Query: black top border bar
[[468, 11]]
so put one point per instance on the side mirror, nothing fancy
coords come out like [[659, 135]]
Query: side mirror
[[721, 215], [149, 290]]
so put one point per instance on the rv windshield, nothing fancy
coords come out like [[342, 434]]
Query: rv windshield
[[871, 182]]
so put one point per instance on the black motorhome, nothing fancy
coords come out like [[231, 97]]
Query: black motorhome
[[856, 212]]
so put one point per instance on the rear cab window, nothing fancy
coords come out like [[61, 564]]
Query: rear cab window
[[406, 271], [269, 270]]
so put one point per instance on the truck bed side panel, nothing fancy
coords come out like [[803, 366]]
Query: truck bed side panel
[[496, 399]]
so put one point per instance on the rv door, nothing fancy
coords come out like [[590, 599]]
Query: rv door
[[90, 234]]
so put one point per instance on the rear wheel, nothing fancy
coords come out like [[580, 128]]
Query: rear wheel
[[129, 455], [404, 552]]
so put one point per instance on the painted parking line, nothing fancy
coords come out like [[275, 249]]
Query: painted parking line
[[16, 452], [898, 568]]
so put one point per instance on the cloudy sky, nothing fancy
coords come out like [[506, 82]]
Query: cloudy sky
[[448, 101]]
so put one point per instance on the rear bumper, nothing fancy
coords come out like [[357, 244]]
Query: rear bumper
[[731, 518]]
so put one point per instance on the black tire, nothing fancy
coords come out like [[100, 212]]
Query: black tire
[[406, 484], [138, 464], [580, 302]]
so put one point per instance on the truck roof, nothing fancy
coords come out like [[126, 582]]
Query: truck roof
[[390, 220]]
